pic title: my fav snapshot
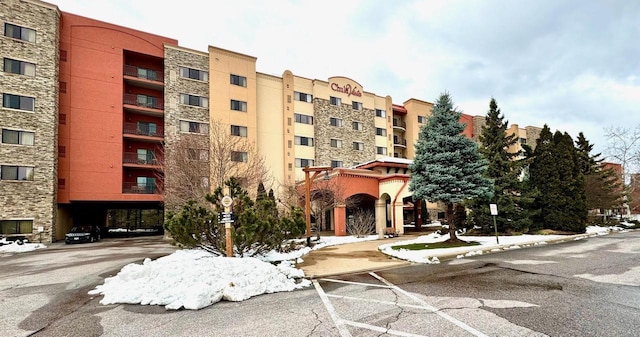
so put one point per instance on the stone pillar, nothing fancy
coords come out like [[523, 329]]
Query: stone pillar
[[381, 217], [339, 220]]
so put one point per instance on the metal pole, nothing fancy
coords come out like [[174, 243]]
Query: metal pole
[[495, 227]]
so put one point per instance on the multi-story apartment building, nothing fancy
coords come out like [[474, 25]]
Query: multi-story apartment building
[[94, 114]]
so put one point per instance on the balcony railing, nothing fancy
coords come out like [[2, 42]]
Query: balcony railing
[[143, 130], [138, 159], [142, 73], [399, 124], [142, 101], [136, 188], [399, 141]]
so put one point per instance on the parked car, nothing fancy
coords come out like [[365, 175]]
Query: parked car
[[84, 233]]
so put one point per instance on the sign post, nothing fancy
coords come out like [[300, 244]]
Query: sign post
[[227, 219], [494, 212]]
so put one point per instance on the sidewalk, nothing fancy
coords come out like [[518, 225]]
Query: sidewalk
[[365, 256]]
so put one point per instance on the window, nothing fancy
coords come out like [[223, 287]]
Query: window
[[17, 137], [16, 172], [146, 157], [147, 74], [62, 119], [16, 226], [381, 150], [381, 132], [335, 121], [194, 100], [240, 157], [20, 33], [358, 146], [194, 74], [335, 100], [62, 86], [358, 126], [238, 80], [194, 127], [336, 163], [381, 113], [61, 183], [240, 131], [356, 105], [422, 119], [523, 140], [238, 105], [18, 102], [147, 129], [304, 119], [301, 162], [337, 143], [198, 154], [301, 96], [145, 184], [306, 141], [19, 67], [62, 151], [147, 101]]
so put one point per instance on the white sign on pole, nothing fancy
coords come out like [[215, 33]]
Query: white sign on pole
[[494, 209], [227, 201]]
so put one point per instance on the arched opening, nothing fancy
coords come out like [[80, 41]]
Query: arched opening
[[388, 215]]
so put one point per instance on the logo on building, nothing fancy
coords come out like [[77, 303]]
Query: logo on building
[[346, 89]]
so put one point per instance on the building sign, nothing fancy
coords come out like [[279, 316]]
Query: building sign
[[346, 89]]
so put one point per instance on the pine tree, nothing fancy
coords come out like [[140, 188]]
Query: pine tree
[[447, 166], [602, 186], [505, 170], [557, 177]]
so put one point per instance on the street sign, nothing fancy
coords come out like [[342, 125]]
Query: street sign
[[494, 209], [225, 217], [226, 201]]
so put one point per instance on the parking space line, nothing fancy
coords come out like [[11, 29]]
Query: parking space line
[[355, 283], [344, 332], [380, 302], [381, 329], [431, 308]]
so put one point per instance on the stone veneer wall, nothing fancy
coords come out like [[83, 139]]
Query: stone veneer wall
[[37, 199], [324, 132], [533, 133], [174, 111], [478, 123]]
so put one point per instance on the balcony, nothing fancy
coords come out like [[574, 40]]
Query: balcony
[[134, 159], [145, 78], [401, 142], [135, 188], [399, 124], [143, 104], [147, 132]]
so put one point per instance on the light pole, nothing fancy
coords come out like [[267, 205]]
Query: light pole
[[307, 196]]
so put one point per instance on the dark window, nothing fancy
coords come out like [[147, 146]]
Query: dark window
[[194, 74], [17, 137], [306, 141], [19, 67], [18, 102], [16, 226], [356, 105], [335, 100], [21, 33], [335, 121], [336, 163], [303, 119], [240, 131], [301, 162], [237, 156], [381, 113], [62, 151], [238, 105], [238, 80], [301, 96], [381, 132], [194, 100], [16, 172]]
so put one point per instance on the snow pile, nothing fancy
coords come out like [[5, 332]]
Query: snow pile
[[16, 248], [325, 241], [603, 230], [194, 279]]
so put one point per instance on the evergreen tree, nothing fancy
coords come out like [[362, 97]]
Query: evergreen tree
[[447, 166], [556, 174], [602, 186], [505, 171]]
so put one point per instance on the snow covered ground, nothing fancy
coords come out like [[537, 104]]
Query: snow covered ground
[[16, 248], [487, 243], [194, 279]]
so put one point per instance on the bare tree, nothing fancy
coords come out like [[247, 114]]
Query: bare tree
[[195, 165], [234, 156], [187, 171], [363, 223], [624, 147]]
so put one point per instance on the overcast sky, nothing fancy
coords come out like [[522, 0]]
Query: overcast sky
[[571, 64]]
